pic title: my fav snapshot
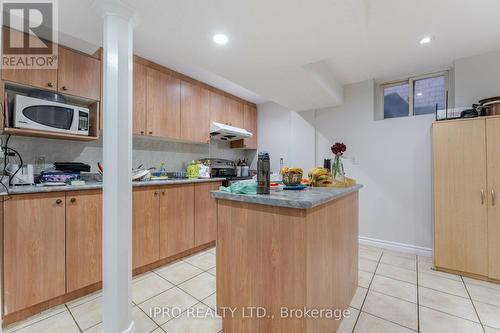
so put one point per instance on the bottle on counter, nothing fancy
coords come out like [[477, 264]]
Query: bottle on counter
[[193, 171], [263, 173]]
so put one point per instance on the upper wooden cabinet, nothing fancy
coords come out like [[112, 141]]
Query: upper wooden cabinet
[[493, 161], [176, 219], [217, 108], [250, 124], [145, 226], [39, 78], [195, 113], [205, 213], [83, 239], [79, 74], [234, 113], [33, 249], [139, 105], [163, 116], [171, 105]]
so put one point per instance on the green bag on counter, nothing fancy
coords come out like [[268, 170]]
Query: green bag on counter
[[241, 188]]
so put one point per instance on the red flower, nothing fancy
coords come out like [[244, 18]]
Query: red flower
[[339, 149]]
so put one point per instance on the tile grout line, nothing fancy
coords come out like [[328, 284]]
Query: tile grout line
[[33, 323], [418, 299], [73, 317], [449, 314], [473, 305], [157, 326], [367, 291], [67, 308]]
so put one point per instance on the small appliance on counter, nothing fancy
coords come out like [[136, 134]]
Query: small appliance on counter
[[63, 173], [21, 176], [221, 168]]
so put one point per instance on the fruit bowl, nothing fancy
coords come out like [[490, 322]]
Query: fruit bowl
[[292, 178]]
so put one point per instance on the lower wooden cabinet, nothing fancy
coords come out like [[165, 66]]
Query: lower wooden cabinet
[[83, 239], [53, 241], [176, 219], [34, 249], [145, 226], [205, 218]]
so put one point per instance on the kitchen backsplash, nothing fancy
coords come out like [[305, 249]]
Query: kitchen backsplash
[[150, 152]]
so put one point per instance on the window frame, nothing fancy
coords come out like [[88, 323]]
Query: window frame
[[411, 92]]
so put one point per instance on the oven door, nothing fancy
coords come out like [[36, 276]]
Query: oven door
[[33, 113]]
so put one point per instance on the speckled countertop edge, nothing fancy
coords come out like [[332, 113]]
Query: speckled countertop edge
[[305, 199], [95, 185]]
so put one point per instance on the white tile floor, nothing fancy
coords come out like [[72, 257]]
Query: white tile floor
[[397, 293]]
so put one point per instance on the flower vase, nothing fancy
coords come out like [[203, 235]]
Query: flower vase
[[338, 169]]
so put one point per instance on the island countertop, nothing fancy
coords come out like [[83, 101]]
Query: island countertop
[[305, 199]]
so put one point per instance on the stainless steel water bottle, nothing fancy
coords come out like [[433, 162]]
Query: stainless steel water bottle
[[263, 173]]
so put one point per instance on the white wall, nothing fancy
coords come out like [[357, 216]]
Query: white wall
[[286, 134], [476, 78], [392, 157]]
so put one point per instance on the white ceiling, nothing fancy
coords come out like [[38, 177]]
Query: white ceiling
[[294, 52]]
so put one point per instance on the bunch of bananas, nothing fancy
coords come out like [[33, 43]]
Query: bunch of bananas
[[320, 177]]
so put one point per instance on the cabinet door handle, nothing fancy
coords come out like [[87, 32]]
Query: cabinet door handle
[[142, 132], [50, 84], [162, 192], [150, 132], [493, 197], [156, 193], [73, 200], [64, 88], [58, 201], [482, 197]]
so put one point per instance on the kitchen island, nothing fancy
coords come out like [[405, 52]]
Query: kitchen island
[[287, 261]]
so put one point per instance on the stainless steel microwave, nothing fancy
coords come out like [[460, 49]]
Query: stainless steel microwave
[[40, 114]]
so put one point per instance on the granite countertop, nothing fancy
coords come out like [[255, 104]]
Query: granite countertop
[[91, 185], [308, 198]]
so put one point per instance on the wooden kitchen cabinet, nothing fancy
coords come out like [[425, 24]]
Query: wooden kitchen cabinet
[[250, 124], [39, 78], [217, 108], [493, 161], [83, 239], [195, 113], [139, 104], [163, 104], [79, 74], [205, 213], [34, 249], [176, 219], [145, 226], [234, 113], [460, 196]]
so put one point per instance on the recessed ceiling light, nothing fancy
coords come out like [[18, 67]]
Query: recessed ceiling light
[[220, 39], [425, 40], [420, 94]]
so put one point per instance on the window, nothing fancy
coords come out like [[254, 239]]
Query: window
[[415, 96]]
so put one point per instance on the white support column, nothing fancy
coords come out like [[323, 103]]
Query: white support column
[[117, 163]]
